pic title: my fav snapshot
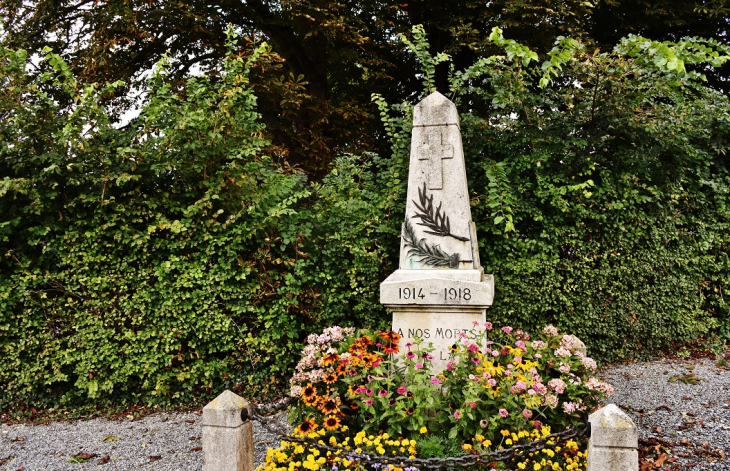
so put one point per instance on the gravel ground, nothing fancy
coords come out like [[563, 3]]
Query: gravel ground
[[681, 408], [681, 426]]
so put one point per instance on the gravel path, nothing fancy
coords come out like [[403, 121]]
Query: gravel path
[[681, 426], [682, 410]]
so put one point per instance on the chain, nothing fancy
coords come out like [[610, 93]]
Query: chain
[[430, 463]]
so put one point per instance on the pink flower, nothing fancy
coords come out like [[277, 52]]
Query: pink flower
[[410, 355], [550, 330], [475, 323], [551, 400], [419, 366], [369, 402], [429, 357], [531, 392], [569, 407], [564, 368], [520, 344], [457, 415], [537, 355], [521, 385], [369, 392], [473, 348], [492, 382], [488, 325], [508, 373], [435, 380], [562, 352], [503, 412], [518, 359], [360, 389], [383, 393], [402, 390], [376, 364], [495, 353], [472, 404], [538, 344], [537, 424], [589, 363], [450, 366], [507, 329], [409, 345], [557, 385], [527, 413], [475, 360]]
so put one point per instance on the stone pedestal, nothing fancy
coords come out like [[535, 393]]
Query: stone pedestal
[[436, 305], [227, 440], [614, 440]]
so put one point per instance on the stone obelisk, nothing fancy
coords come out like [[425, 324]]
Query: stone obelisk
[[440, 288]]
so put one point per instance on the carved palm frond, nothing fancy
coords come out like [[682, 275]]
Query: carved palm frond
[[435, 220], [430, 255]]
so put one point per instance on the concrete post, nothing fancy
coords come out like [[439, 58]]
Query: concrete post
[[614, 440], [227, 440]]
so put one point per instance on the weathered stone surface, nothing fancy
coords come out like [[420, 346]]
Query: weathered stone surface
[[579, 345], [224, 410], [227, 440], [612, 459], [613, 443], [611, 427], [440, 288], [437, 190], [441, 328]]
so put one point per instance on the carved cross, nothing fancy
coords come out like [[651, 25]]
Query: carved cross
[[435, 151]]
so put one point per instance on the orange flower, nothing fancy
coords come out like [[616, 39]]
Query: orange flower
[[331, 406], [330, 378], [391, 348], [332, 423], [309, 395], [306, 427], [330, 359]]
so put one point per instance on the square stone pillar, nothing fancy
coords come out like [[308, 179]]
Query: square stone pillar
[[227, 440], [614, 441]]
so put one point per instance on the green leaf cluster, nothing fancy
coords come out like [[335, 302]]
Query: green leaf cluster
[[179, 255]]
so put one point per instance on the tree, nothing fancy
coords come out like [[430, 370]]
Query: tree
[[329, 57]]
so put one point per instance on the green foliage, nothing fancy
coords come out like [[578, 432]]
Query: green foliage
[[181, 254], [167, 259], [436, 446]]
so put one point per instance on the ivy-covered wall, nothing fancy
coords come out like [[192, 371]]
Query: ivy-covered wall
[[180, 255]]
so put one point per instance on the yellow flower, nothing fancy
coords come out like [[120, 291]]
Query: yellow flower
[[423, 430], [508, 441], [521, 465]]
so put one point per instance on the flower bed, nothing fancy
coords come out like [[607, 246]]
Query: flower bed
[[501, 388]]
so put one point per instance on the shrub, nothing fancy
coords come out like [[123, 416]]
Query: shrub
[[493, 393]]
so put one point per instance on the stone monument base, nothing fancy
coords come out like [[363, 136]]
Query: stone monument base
[[436, 306], [437, 325]]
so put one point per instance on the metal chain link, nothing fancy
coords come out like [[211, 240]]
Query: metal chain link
[[404, 461]]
